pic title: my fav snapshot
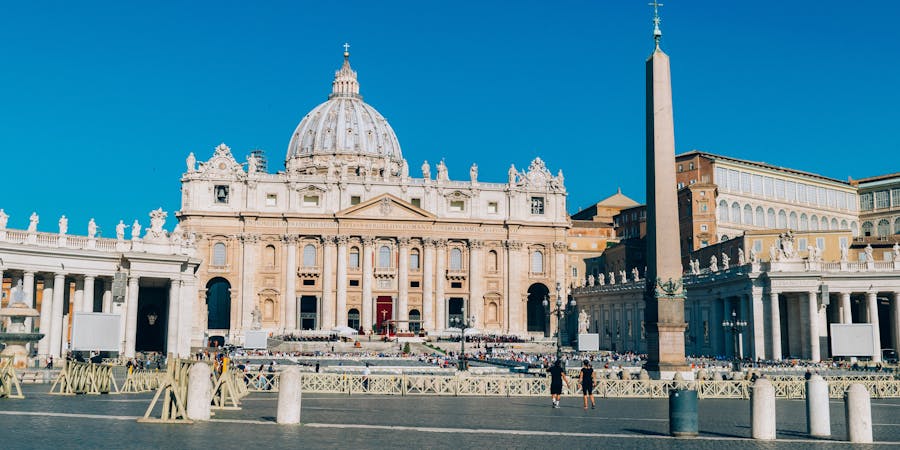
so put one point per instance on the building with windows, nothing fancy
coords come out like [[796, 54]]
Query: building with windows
[[879, 208], [346, 236], [593, 230]]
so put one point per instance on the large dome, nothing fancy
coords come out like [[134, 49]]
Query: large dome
[[344, 124]]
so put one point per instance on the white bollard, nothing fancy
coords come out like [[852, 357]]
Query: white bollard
[[289, 397], [858, 409], [762, 409], [818, 413], [199, 392]]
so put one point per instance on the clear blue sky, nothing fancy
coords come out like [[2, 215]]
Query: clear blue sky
[[100, 102]]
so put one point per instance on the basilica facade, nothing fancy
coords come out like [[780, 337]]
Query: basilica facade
[[345, 236]]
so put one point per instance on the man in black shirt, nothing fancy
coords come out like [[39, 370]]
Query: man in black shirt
[[557, 376]]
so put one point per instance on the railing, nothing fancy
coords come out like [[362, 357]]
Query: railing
[[75, 242]]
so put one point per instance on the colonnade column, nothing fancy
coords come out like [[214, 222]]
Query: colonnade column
[[289, 308], [895, 317], [513, 293], [87, 304], [872, 310], [28, 287], [476, 290], [813, 330], [403, 281], [775, 325], [172, 320], [56, 318], [248, 271], [428, 284], [341, 306], [78, 300], [368, 275], [107, 297], [846, 312], [187, 305], [758, 321], [45, 325], [328, 306], [440, 277], [131, 310]]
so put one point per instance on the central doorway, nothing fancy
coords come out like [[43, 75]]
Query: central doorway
[[455, 310], [538, 321], [308, 312], [384, 312], [152, 319]]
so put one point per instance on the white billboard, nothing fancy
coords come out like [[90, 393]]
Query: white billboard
[[588, 342], [256, 339], [95, 331], [853, 339]]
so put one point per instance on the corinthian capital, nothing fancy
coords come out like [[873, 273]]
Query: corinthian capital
[[560, 246], [403, 241], [514, 245], [329, 240], [476, 243]]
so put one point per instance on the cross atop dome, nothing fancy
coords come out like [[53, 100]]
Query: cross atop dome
[[345, 83], [346, 50]]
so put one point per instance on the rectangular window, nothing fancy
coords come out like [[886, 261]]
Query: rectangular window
[[417, 202], [821, 196], [680, 185], [537, 205], [691, 166], [852, 200], [457, 205], [802, 243], [734, 180], [681, 167], [310, 200], [757, 245], [704, 207], [354, 200], [271, 200], [865, 201], [757, 185], [574, 272], [820, 243], [779, 189], [831, 197], [882, 199], [801, 193], [354, 259], [790, 188], [895, 194], [492, 208], [841, 200], [456, 285], [414, 284], [769, 184], [221, 192], [704, 243], [309, 282], [745, 183], [722, 178], [414, 261], [354, 282], [704, 227]]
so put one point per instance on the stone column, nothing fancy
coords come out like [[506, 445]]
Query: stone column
[[428, 285], [45, 324], [758, 324], [514, 294], [846, 312], [88, 300], [56, 318], [775, 325], [476, 279], [289, 308], [368, 278], [403, 284], [131, 310], [172, 319], [186, 303], [248, 273], [341, 306], [78, 300], [28, 287], [107, 297], [440, 274], [895, 318], [328, 306], [813, 329], [872, 310]]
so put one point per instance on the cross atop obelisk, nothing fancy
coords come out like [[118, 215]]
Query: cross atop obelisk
[[664, 295]]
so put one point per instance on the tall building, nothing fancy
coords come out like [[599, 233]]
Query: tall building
[[346, 236]]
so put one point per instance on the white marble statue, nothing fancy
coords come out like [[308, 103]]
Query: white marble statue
[[442, 171], [773, 253], [177, 234], [135, 230], [635, 274], [4, 218], [426, 170], [612, 278], [513, 173], [473, 173], [92, 228], [252, 164], [583, 321], [191, 162], [404, 169], [120, 230], [741, 260], [63, 225], [332, 169], [33, 222], [895, 248], [590, 280], [601, 279], [868, 251], [623, 278], [713, 264], [726, 261], [754, 257], [844, 253]]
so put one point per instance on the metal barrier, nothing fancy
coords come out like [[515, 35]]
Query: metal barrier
[[84, 378], [9, 382], [172, 390]]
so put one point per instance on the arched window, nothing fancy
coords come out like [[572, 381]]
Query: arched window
[[844, 225], [735, 213], [218, 254], [884, 227], [834, 224], [492, 261], [354, 257], [804, 222], [455, 259], [760, 217], [748, 215], [782, 219], [897, 228], [414, 259], [867, 229], [309, 255], [824, 223], [415, 318], [770, 218], [814, 223], [723, 211], [854, 229], [270, 255], [353, 317], [537, 262], [792, 221], [384, 256]]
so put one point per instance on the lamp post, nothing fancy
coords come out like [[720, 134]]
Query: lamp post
[[463, 324], [559, 312], [736, 327]]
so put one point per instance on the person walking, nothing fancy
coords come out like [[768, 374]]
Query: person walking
[[557, 376], [586, 377]]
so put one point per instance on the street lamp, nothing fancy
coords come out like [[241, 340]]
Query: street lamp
[[462, 323], [559, 312], [736, 327]]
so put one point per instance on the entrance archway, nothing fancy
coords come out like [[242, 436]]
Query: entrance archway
[[537, 318], [218, 304], [454, 311], [152, 319], [414, 320], [308, 312], [353, 319]]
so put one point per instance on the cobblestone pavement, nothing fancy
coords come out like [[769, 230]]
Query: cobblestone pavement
[[108, 421]]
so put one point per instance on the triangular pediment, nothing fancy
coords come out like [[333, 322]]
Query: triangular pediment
[[385, 206]]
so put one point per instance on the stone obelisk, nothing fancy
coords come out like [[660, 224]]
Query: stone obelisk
[[664, 295]]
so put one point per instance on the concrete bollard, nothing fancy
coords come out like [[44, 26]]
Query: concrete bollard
[[289, 397], [762, 409], [199, 392], [858, 409], [818, 413]]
